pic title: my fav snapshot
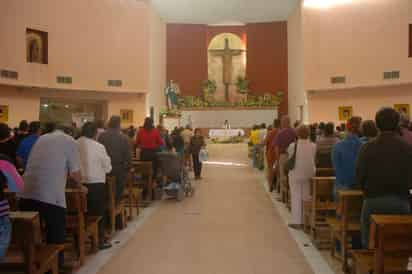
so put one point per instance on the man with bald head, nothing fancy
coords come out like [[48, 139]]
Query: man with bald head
[[284, 138]]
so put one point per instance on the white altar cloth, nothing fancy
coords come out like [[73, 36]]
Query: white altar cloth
[[226, 133]]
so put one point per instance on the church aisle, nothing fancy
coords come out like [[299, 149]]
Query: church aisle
[[229, 227]]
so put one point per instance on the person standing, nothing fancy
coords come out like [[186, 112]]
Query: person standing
[[53, 160], [299, 177], [368, 131], [26, 145], [383, 172], [270, 153], [344, 156], [324, 147], [404, 128], [150, 142], [196, 144], [22, 132], [118, 147], [284, 138], [94, 164], [7, 144], [187, 135]]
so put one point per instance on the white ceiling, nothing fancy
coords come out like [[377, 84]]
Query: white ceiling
[[224, 12]]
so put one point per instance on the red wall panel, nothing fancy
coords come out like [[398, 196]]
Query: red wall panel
[[187, 56], [267, 59]]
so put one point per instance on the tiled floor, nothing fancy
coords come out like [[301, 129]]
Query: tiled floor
[[230, 226]]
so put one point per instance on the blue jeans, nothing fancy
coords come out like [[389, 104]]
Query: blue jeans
[[5, 235], [382, 205]]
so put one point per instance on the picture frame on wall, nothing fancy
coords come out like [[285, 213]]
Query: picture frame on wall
[[403, 109], [4, 113], [126, 116], [345, 113]]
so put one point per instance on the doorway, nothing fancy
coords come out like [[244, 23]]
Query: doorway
[[67, 111]]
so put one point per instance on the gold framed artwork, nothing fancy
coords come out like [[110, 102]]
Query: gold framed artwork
[[345, 113], [4, 113], [403, 109], [126, 116]]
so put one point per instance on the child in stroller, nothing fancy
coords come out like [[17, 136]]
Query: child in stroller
[[176, 180]]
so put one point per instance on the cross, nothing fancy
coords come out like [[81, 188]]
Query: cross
[[227, 54]]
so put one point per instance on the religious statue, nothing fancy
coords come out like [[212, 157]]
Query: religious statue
[[227, 54], [172, 92], [34, 52]]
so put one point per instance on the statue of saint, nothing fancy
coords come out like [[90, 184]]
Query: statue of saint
[[172, 92]]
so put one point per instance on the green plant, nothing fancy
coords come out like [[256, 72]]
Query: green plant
[[242, 85], [209, 86]]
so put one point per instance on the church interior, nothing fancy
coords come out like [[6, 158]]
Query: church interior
[[267, 99]]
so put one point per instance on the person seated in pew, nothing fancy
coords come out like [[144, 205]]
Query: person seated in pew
[[299, 177], [53, 159], [324, 146], [344, 156], [369, 131], [23, 151], [383, 172], [118, 148], [94, 165]]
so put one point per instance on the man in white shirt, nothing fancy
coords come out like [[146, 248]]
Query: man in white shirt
[[95, 164], [53, 159]]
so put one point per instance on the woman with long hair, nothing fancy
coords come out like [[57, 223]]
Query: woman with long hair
[[149, 142]]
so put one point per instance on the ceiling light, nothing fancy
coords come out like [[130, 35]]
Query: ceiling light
[[324, 4], [45, 105]]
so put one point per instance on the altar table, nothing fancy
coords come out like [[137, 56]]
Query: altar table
[[226, 133]]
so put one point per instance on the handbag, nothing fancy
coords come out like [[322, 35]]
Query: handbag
[[203, 155], [290, 163]]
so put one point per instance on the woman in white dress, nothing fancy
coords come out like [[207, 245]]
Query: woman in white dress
[[300, 175]]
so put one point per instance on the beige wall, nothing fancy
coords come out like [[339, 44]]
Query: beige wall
[[24, 103], [157, 80], [93, 41], [359, 39], [323, 105]]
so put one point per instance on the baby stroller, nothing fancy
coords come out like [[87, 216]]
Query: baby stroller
[[177, 183]]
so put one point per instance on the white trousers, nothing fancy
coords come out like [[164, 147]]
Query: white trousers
[[299, 191]]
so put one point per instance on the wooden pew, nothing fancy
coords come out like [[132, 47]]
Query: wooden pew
[[145, 170], [307, 204], [390, 246], [114, 209], [76, 201], [132, 196], [27, 252], [322, 205], [346, 223]]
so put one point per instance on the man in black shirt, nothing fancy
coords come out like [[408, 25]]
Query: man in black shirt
[[384, 171]]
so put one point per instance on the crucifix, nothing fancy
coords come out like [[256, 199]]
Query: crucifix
[[227, 54]]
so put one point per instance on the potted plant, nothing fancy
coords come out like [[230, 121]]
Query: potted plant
[[242, 85]]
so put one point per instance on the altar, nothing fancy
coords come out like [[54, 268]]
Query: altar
[[226, 133]]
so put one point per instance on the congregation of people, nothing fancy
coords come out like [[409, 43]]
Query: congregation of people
[[373, 157], [52, 157]]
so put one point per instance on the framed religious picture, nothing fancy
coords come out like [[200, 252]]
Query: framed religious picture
[[36, 46], [4, 113], [403, 109], [126, 116], [345, 113]]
